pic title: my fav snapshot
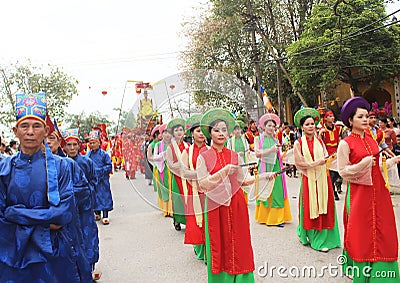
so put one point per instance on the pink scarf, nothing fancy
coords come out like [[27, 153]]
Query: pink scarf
[[263, 166]]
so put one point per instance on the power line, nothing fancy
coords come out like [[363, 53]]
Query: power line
[[150, 57], [351, 35]]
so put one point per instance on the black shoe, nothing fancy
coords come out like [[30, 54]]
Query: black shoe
[[177, 226], [336, 196]]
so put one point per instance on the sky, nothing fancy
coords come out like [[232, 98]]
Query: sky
[[101, 43]]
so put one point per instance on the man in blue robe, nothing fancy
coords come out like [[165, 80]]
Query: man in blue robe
[[89, 227], [83, 201], [36, 204], [103, 168]]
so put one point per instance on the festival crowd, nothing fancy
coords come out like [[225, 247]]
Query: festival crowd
[[204, 170]]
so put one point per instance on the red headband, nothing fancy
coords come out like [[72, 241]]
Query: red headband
[[328, 113]]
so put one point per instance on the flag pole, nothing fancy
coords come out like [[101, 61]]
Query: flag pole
[[169, 100], [122, 102], [120, 108]]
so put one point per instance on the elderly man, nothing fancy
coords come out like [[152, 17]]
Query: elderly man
[[36, 204], [85, 201], [103, 167]]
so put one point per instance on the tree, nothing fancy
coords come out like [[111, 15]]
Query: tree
[[85, 123], [351, 42], [214, 89], [58, 86], [217, 42], [248, 38], [128, 119], [279, 23]]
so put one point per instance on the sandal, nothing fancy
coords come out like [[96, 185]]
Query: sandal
[[96, 275], [105, 221]]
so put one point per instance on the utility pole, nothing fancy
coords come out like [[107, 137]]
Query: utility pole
[[266, 40], [257, 72], [256, 67]]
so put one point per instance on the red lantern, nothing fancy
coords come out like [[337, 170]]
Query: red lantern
[[172, 87], [104, 92], [138, 90]]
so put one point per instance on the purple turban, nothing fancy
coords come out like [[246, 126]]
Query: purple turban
[[350, 106]]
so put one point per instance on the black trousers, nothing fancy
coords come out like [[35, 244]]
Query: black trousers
[[105, 213], [336, 180]]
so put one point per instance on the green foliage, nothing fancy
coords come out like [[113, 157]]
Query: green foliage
[[219, 43], [128, 120], [344, 41], [85, 123], [19, 78], [217, 89], [244, 38]]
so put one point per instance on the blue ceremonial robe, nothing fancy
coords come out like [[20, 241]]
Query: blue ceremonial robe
[[103, 168], [88, 224], [29, 250], [83, 204]]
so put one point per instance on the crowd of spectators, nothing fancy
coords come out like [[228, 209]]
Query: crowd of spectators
[[7, 149]]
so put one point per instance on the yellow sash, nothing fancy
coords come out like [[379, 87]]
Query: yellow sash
[[317, 179], [198, 212], [385, 172]]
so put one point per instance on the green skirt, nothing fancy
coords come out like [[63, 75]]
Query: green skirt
[[318, 239], [200, 251], [178, 207]]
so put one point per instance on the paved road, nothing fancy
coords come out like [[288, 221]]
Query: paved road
[[140, 245]]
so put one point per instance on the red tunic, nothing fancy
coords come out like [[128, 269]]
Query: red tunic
[[370, 227], [194, 234], [331, 138], [228, 226], [324, 221], [117, 149], [250, 135]]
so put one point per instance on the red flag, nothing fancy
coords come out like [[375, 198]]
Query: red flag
[[142, 85], [53, 128]]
